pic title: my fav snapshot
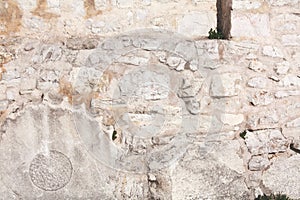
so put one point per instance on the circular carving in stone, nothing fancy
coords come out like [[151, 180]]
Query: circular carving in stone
[[50, 171]]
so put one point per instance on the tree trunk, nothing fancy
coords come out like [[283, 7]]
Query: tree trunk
[[224, 8]]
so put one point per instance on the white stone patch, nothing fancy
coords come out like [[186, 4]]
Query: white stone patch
[[269, 118], [258, 82], [293, 123], [146, 2], [272, 51], [27, 84], [28, 5], [257, 66], [290, 81], [173, 61], [228, 153], [153, 91], [3, 105], [232, 119], [246, 5], [190, 24], [250, 25], [258, 163], [261, 98], [3, 92], [125, 3], [282, 94], [266, 141], [283, 2], [282, 177], [291, 40], [282, 68], [190, 86], [133, 60], [224, 85]]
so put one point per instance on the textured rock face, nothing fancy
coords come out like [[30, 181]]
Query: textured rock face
[[114, 100]]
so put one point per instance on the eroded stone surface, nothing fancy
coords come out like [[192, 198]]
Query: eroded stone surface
[[50, 171], [278, 179], [266, 141], [157, 115]]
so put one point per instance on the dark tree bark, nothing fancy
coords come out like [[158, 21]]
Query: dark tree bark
[[224, 8]]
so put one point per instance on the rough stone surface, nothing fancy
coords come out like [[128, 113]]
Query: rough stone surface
[[272, 52], [258, 163], [258, 82], [280, 180], [266, 141], [114, 100], [224, 85]]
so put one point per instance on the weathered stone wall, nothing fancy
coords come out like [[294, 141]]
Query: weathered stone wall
[[128, 99]]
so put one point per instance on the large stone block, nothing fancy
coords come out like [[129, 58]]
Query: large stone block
[[246, 4], [224, 85], [250, 25], [266, 141], [196, 23], [283, 176]]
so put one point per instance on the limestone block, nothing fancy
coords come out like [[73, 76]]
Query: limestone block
[[11, 74], [201, 123], [266, 141], [224, 85], [139, 84], [257, 66], [12, 93], [190, 86], [272, 51], [293, 123], [134, 60], [206, 177], [245, 5], [193, 106], [186, 49], [27, 84], [258, 163], [124, 3], [293, 109], [173, 61], [146, 2], [282, 68], [290, 80], [209, 53], [196, 23], [258, 82], [266, 119], [250, 25], [269, 119], [283, 176], [227, 153], [3, 92], [261, 98], [287, 93], [232, 119], [3, 105], [291, 40], [101, 4], [27, 5], [284, 2]]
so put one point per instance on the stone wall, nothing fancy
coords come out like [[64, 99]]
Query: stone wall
[[128, 99]]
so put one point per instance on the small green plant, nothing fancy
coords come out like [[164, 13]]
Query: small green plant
[[273, 197], [243, 134], [214, 34]]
